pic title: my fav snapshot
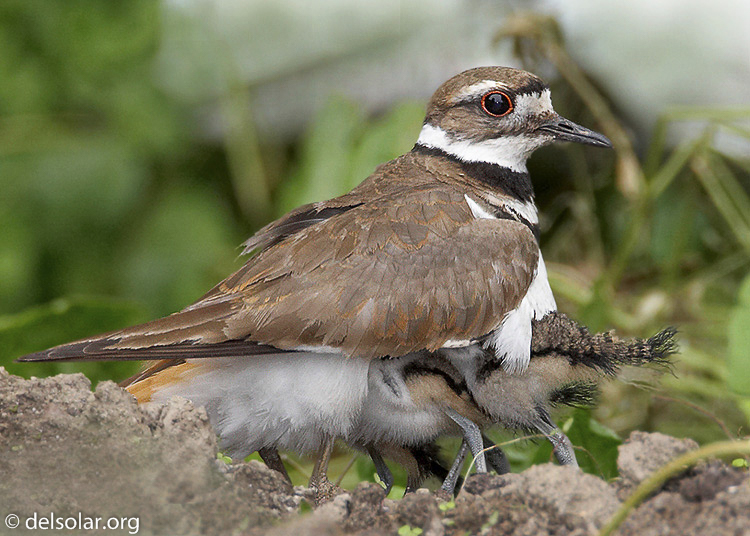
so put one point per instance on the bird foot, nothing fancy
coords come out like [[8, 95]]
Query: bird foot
[[324, 491]]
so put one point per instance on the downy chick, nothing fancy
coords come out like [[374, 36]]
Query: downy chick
[[428, 397]]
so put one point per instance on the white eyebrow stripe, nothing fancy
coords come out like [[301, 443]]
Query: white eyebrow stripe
[[477, 89], [534, 103]]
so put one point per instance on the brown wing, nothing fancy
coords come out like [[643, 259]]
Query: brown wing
[[411, 268], [411, 272]]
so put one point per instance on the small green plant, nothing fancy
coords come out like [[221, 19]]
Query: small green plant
[[224, 458], [448, 505], [491, 521], [408, 530]]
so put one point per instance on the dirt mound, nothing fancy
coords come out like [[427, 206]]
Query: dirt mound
[[66, 450]]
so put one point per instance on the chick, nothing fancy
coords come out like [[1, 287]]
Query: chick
[[418, 398]]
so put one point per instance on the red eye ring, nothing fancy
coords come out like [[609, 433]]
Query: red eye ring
[[497, 107]]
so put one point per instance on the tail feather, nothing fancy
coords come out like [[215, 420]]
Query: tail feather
[[105, 349], [195, 332], [556, 333], [155, 378], [153, 368]]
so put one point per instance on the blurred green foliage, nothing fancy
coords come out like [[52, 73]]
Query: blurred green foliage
[[66, 319], [117, 207], [738, 375], [103, 189]]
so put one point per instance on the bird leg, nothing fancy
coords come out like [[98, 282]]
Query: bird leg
[[324, 488], [271, 458], [561, 445], [496, 458], [416, 471], [563, 448], [449, 484], [386, 477], [472, 436]]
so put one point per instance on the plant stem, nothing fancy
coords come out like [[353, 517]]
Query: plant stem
[[671, 469]]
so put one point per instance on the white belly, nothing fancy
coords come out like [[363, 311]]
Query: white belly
[[288, 401]]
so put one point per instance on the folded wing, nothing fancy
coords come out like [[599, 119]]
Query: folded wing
[[411, 269]]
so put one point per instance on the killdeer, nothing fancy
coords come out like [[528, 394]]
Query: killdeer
[[426, 397], [436, 251]]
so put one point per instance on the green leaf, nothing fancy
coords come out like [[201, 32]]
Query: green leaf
[[598, 442], [224, 458], [408, 530], [447, 505], [676, 229], [738, 362]]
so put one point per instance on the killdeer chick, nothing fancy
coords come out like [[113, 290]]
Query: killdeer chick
[[427, 397], [436, 251]]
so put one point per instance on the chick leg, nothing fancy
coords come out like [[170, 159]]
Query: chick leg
[[472, 436], [496, 458], [271, 458], [562, 447], [386, 477], [449, 484]]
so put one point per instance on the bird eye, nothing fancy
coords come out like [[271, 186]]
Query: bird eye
[[497, 103]]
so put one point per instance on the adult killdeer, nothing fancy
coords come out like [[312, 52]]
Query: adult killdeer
[[436, 250], [426, 397]]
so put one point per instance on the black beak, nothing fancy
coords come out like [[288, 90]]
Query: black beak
[[564, 130]]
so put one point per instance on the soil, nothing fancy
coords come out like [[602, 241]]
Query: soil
[[65, 449]]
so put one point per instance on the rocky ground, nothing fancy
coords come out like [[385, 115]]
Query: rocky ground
[[65, 449]]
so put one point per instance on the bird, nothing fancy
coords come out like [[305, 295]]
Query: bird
[[437, 250], [427, 398]]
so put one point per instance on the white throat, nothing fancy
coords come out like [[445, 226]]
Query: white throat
[[508, 151]]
